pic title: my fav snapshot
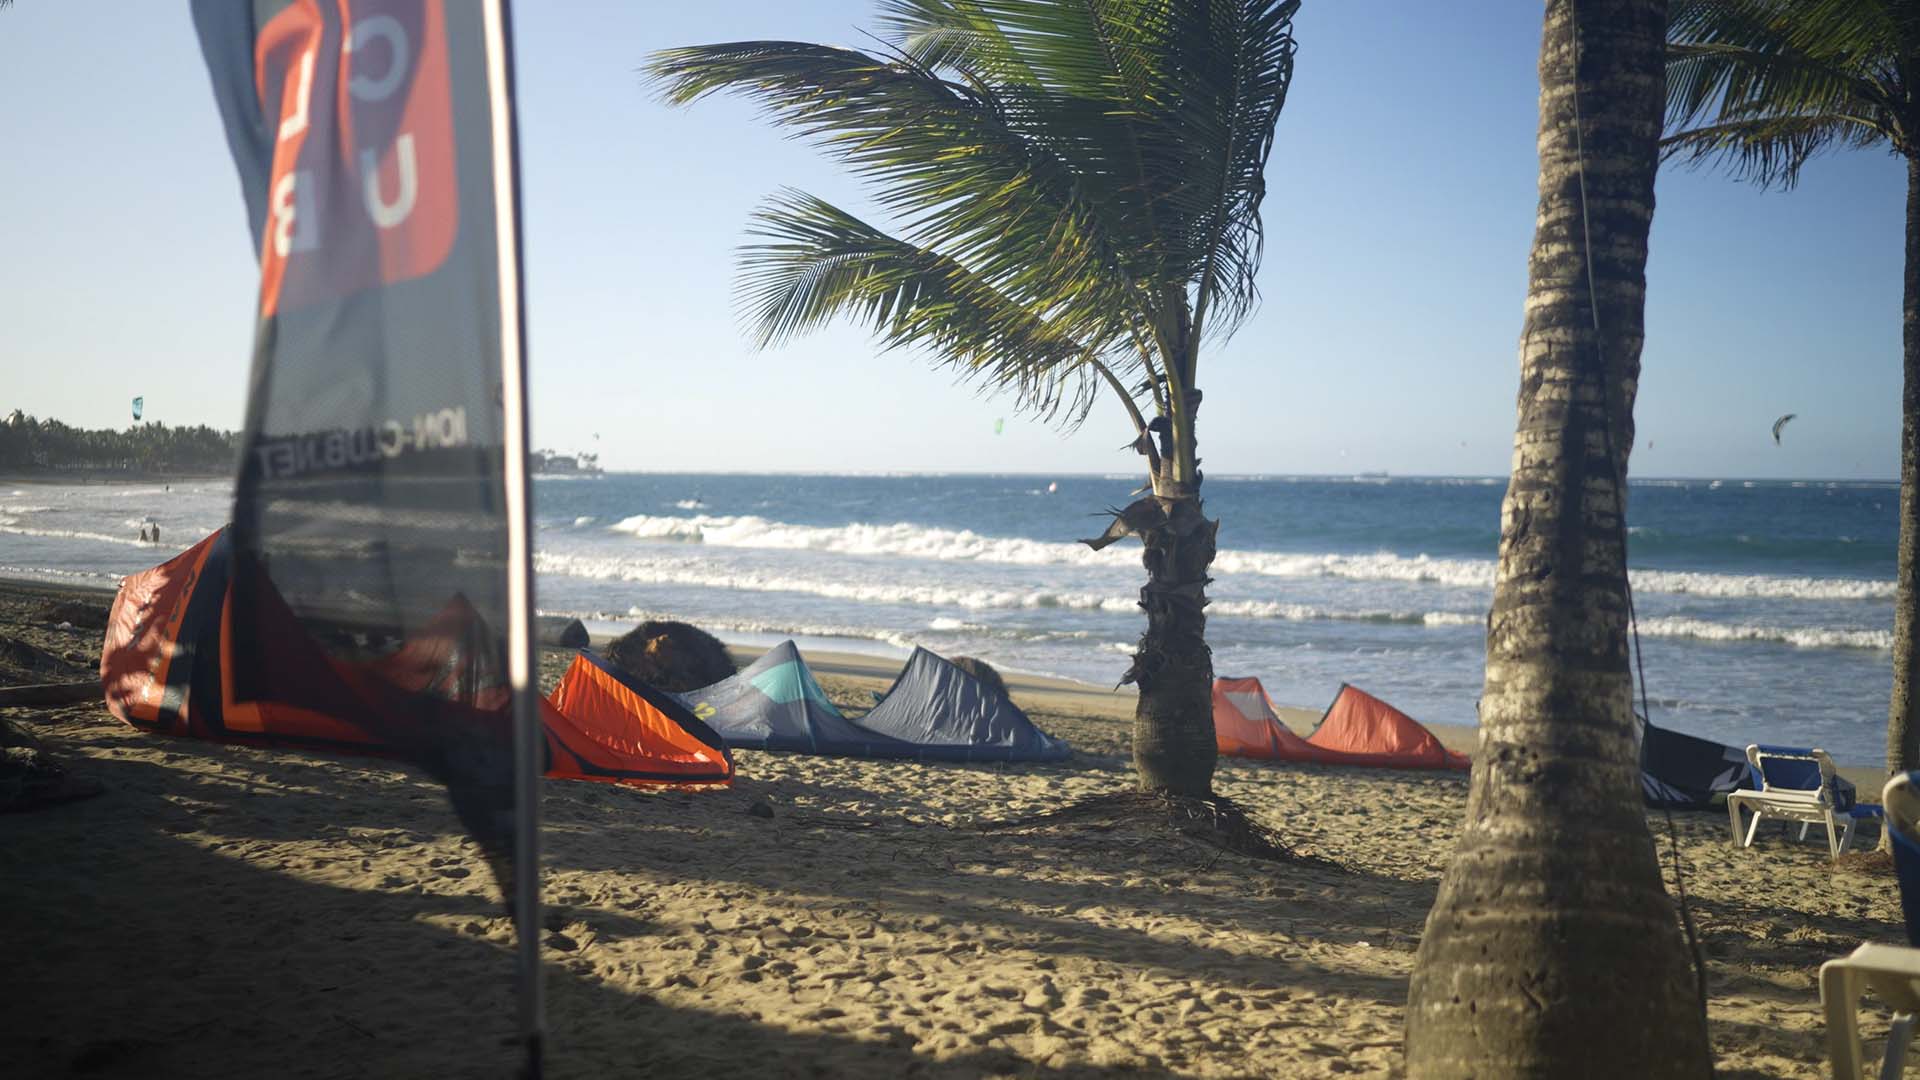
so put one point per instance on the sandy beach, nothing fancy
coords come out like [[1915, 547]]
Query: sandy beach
[[228, 911]]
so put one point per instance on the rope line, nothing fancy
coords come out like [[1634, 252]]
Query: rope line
[[1620, 498]]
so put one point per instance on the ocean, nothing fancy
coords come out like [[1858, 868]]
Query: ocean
[[1765, 607]]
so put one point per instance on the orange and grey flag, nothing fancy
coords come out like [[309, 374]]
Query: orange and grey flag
[[381, 501]]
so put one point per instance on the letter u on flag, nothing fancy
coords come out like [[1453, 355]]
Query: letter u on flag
[[381, 576]]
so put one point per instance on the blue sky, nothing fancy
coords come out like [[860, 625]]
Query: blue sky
[[1399, 212]]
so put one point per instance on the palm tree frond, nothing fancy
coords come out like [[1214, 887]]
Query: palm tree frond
[[1829, 30], [813, 262], [1769, 150], [1066, 181], [1765, 85], [958, 35], [1226, 77], [967, 168]]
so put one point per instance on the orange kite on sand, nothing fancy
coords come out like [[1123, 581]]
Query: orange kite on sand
[[1357, 729], [167, 667], [1245, 724]]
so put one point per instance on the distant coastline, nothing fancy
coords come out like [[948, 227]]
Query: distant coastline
[[55, 451]]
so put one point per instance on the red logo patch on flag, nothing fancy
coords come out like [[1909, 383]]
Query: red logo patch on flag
[[363, 191]]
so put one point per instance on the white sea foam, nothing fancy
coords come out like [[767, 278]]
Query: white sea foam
[[45, 573], [1799, 637], [905, 540], [690, 573], [895, 638], [1760, 586], [8, 526], [584, 520], [685, 572]]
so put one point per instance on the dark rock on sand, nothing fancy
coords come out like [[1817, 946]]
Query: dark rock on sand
[[981, 670], [558, 632], [671, 656]]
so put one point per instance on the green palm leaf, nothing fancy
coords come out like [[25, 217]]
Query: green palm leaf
[[813, 262], [1074, 187], [1763, 86]]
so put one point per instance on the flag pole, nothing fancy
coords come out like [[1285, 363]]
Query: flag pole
[[521, 666]]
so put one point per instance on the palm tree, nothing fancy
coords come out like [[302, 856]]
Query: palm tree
[[1552, 949], [1077, 187], [1760, 87]]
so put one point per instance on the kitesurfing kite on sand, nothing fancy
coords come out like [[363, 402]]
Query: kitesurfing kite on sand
[[1780, 423]]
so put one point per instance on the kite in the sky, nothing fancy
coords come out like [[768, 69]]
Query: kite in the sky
[[999, 425], [1780, 423], [139, 404]]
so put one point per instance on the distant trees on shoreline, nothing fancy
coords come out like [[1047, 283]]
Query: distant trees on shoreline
[[29, 443]]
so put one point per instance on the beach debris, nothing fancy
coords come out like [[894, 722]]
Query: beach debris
[[21, 662], [1216, 821], [1780, 423], [60, 693], [77, 612], [760, 808], [31, 778], [671, 656]]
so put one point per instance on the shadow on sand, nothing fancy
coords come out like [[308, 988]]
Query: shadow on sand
[[185, 925]]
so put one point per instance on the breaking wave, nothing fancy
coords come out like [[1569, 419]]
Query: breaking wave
[[905, 540], [966, 597], [7, 525], [45, 573], [1815, 637]]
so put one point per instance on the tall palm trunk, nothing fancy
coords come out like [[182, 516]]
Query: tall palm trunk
[[1903, 738], [1552, 949], [1173, 741]]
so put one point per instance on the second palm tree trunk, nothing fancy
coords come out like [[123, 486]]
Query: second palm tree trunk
[[1173, 741], [1552, 949], [1903, 737]]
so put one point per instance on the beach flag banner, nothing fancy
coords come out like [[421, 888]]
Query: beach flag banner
[[382, 495]]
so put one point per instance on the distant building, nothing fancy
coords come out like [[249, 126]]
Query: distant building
[[548, 463]]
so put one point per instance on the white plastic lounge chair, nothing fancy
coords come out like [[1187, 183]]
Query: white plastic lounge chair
[[1800, 785], [1892, 972]]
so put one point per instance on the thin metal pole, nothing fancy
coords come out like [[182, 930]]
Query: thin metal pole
[[520, 640]]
